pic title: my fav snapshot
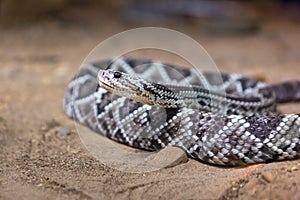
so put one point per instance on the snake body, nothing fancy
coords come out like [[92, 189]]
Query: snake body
[[231, 120]]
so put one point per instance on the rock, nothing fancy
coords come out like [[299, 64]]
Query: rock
[[268, 176], [294, 168], [168, 157]]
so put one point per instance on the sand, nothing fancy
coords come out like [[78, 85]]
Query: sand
[[39, 162]]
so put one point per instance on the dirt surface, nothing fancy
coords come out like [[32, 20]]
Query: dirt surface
[[39, 161]]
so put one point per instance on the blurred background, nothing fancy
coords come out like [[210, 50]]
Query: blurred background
[[236, 33], [146, 12]]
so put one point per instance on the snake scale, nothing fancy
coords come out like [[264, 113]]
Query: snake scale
[[231, 120]]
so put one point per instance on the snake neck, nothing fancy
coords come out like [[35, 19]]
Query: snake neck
[[199, 98]]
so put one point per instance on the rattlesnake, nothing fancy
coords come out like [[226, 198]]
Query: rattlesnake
[[225, 120]]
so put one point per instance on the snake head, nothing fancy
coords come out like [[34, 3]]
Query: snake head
[[121, 84], [136, 88]]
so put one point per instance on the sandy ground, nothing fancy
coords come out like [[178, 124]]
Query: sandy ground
[[37, 61]]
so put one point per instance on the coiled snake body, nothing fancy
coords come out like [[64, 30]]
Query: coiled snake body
[[230, 120]]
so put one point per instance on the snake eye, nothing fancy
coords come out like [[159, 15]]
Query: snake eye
[[117, 75]]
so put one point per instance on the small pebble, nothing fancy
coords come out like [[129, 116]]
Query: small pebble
[[268, 176], [251, 186], [293, 168], [49, 125], [63, 131]]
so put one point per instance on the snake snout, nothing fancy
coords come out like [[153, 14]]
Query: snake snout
[[106, 79], [103, 76]]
